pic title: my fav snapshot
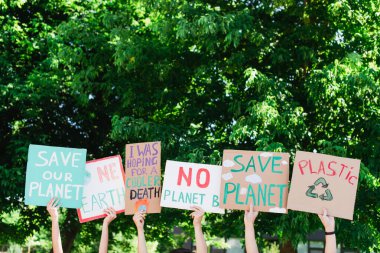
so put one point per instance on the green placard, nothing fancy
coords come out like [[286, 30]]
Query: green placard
[[55, 172]]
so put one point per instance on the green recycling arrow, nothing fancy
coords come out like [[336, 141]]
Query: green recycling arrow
[[326, 196], [310, 193], [322, 181]]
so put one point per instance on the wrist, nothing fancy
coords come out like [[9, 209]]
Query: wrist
[[249, 224], [249, 227], [197, 225]]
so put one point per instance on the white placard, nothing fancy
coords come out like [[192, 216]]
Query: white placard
[[192, 184], [104, 187]]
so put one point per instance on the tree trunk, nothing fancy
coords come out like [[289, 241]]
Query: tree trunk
[[287, 247], [69, 237]]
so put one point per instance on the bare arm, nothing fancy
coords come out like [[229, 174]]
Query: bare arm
[[250, 239], [52, 208], [139, 219], [329, 224], [197, 222], [111, 215]]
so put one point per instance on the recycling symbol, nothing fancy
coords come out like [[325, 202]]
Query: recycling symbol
[[326, 196]]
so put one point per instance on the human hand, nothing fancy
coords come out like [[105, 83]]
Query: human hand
[[197, 215], [111, 215], [250, 216], [139, 219], [327, 221], [52, 208]]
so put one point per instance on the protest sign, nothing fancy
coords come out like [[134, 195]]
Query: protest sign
[[143, 177], [55, 172], [324, 181], [256, 177], [191, 184], [103, 187]]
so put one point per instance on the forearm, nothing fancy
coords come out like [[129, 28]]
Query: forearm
[[141, 244], [103, 247], [200, 241], [330, 246], [56, 237], [250, 239]]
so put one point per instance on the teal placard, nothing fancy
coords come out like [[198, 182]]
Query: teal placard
[[55, 172]]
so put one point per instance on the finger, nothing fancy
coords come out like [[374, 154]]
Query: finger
[[251, 207], [57, 203], [111, 211], [324, 212], [195, 208], [51, 201]]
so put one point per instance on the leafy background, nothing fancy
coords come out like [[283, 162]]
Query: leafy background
[[200, 76]]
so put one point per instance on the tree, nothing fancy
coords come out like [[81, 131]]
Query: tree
[[201, 76]]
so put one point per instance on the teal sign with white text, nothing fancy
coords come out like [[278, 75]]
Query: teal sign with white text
[[55, 172]]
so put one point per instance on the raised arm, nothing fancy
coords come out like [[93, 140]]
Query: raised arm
[[250, 239], [111, 215], [200, 241], [139, 219], [329, 224], [52, 208]]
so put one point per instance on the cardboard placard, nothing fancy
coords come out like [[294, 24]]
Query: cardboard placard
[[103, 187], [256, 177], [191, 184], [55, 172], [143, 177], [324, 181]]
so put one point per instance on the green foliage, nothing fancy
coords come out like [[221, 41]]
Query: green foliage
[[200, 76]]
